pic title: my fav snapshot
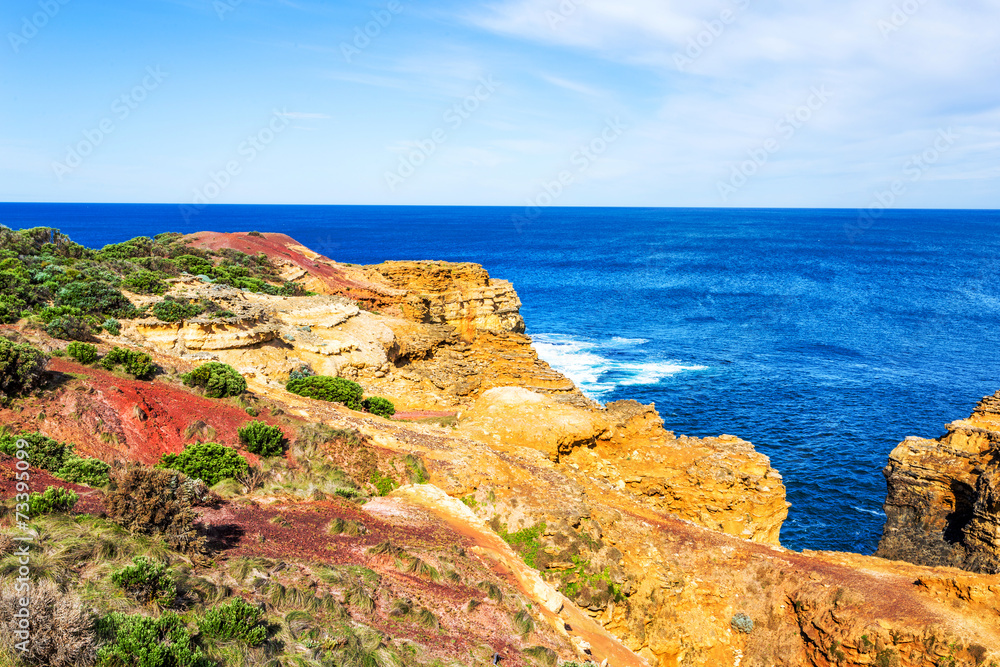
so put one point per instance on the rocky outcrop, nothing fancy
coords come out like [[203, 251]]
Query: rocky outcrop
[[719, 483], [943, 500]]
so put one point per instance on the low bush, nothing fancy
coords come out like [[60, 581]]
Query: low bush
[[147, 582], [84, 353], [207, 461], [43, 452], [376, 405], [235, 620], [383, 485], [742, 623], [22, 369], [137, 364], [217, 379], [262, 439], [301, 373], [112, 326], [53, 499], [77, 470], [157, 502], [62, 626], [96, 297], [175, 311], [144, 282], [10, 308], [68, 327], [326, 388], [142, 641]]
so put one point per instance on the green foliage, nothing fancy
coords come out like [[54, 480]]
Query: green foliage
[[523, 623], [219, 380], [96, 297], [742, 623], [237, 620], [68, 327], [262, 439], [53, 499], [326, 388], [147, 581], [416, 469], [145, 282], [887, 658], [22, 368], [376, 405], [137, 364], [542, 655], [92, 472], [43, 452], [383, 485], [112, 326], [170, 310], [84, 353], [207, 461], [301, 373], [526, 542], [10, 308], [141, 641]]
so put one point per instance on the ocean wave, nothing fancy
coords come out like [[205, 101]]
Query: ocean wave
[[597, 375], [864, 511]]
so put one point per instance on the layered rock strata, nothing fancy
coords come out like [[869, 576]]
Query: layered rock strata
[[943, 500]]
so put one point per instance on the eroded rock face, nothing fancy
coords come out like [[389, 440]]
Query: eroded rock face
[[719, 483], [942, 502]]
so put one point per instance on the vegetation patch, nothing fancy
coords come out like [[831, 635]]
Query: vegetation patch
[[147, 581], [137, 364], [381, 407], [262, 439], [217, 379], [83, 353], [526, 542], [53, 499], [207, 461], [22, 369], [326, 388]]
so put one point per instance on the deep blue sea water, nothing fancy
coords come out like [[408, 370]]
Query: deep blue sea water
[[823, 347]]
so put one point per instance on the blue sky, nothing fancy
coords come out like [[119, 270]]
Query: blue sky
[[552, 102]]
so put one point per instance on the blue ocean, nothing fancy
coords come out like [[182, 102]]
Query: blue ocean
[[822, 337]]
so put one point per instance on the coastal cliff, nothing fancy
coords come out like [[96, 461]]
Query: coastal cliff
[[943, 500], [514, 517]]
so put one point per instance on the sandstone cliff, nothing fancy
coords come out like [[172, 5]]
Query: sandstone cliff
[[943, 501], [621, 540]]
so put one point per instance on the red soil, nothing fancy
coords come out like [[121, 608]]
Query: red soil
[[337, 278], [111, 417], [91, 501]]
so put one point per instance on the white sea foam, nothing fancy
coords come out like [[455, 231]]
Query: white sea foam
[[596, 374], [864, 511]]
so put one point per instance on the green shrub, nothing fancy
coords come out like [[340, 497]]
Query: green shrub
[[169, 310], [325, 388], [43, 452], [92, 472], [10, 308], [112, 326], [742, 623], [82, 352], [68, 327], [144, 282], [415, 469], [383, 484], [141, 641], [219, 380], [207, 461], [376, 405], [192, 264], [53, 499], [301, 373], [137, 364], [526, 542], [22, 368], [262, 439], [235, 620], [96, 297], [147, 581]]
